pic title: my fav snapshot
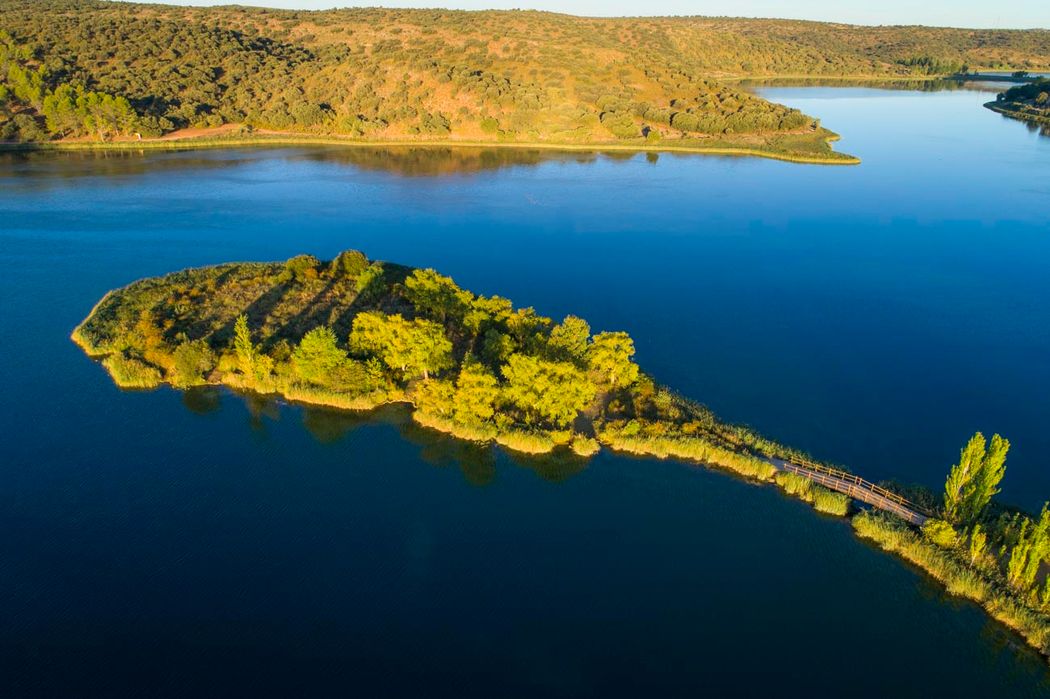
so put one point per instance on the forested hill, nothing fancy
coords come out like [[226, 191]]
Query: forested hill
[[73, 68]]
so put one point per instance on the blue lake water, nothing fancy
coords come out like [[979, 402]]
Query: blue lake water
[[877, 315]]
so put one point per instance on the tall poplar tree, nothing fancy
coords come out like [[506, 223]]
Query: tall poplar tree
[[242, 345], [975, 479]]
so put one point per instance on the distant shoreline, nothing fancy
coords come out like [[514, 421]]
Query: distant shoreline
[[169, 144]]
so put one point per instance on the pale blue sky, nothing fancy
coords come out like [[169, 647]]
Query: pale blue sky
[[956, 13]]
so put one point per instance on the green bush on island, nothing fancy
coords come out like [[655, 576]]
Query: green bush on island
[[940, 532], [796, 485], [192, 360], [129, 372], [822, 499], [830, 502]]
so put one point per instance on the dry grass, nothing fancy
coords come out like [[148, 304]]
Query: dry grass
[[128, 372]]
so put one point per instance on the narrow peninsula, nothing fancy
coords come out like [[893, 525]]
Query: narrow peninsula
[[356, 334]]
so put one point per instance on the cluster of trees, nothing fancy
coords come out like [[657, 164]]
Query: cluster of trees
[[930, 65], [72, 110], [35, 104], [1035, 94], [466, 358], [973, 481], [1006, 545], [375, 332], [399, 73]]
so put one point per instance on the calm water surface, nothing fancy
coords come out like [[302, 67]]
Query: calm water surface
[[159, 543]]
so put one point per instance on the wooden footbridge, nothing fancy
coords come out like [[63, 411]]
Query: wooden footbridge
[[856, 487]]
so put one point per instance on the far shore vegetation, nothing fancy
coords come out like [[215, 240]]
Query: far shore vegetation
[[111, 74], [357, 334], [1030, 102]]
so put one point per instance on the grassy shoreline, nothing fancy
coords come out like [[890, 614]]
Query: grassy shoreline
[[833, 158], [947, 566], [1018, 114]]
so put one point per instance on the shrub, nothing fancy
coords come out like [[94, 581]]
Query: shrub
[[621, 125], [585, 446], [370, 283], [941, 533], [128, 372], [683, 447], [794, 484], [477, 432], [349, 263], [336, 399], [300, 268], [192, 360], [525, 442], [830, 502]]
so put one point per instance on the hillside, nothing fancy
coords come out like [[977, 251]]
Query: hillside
[[96, 70]]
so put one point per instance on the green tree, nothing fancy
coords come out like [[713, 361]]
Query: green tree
[[610, 356], [192, 360], [247, 354], [60, 110], [300, 268], [476, 393], [941, 533], [317, 359], [973, 481], [1030, 549], [437, 295], [435, 397], [978, 544], [568, 339], [349, 263], [528, 328], [416, 348], [555, 392], [993, 468], [496, 347], [485, 312], [370, 283]]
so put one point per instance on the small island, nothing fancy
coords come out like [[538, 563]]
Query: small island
[[357, 334], [1030, 102]]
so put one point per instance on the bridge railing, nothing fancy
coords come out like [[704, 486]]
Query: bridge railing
[[854, 479]]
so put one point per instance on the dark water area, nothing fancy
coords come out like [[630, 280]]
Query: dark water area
[[159, 543]]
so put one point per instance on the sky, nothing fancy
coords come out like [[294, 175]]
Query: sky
[[1001, 14]]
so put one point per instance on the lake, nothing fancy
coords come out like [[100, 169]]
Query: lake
[[202, 544]]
